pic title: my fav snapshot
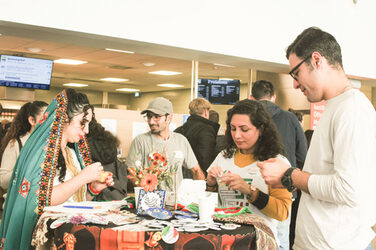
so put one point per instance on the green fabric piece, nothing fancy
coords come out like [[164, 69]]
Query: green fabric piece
[[192, 208], [243, 210]]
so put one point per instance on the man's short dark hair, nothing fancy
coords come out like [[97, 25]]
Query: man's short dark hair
[[314, 39], [262, 89], [213, 116], [298, 114]]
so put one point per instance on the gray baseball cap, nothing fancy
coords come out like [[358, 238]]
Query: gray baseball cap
[[159, 106]]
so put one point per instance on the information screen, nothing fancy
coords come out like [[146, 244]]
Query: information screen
[[24, 72], [219, 91]]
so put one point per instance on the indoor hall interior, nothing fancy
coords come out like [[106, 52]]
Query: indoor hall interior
[[119, 74]]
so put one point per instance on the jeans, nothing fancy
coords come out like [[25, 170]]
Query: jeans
[[283, 229]]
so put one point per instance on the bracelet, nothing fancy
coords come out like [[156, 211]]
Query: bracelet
[[91, 191]]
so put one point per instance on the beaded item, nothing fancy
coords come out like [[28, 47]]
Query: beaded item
[[53, 146]]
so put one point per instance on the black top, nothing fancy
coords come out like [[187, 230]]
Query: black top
[[291, 133], [201, 134]]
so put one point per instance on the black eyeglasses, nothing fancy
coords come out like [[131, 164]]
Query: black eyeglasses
[[157, 118], [292, 74]]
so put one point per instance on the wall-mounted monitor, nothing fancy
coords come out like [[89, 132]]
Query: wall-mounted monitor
[[25, 72], [219, 91]]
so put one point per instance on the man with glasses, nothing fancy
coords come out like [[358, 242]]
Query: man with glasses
[[175, 147], [337, 207]]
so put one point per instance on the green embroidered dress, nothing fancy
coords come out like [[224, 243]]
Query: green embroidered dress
[[32, 179]]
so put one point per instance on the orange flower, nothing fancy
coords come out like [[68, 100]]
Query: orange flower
[[155, 163], [149, 182], [163, 159]]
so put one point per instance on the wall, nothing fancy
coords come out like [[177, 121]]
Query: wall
[[95, 97], [258, 30]]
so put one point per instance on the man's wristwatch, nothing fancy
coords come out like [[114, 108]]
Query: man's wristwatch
[[287, 181]]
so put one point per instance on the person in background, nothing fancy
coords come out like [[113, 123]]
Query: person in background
[[103, 146], [4, 125], [299, 116], [201, 133], [308, 134], [220, 140], [174, 146], [293, 140], [54, 166], [23, 124], [338, 203], [251, 137]]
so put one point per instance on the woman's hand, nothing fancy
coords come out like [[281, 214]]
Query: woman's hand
[[92, 172], [99, 186], [235, 182], [213, 174]]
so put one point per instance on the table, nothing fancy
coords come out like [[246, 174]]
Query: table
[[80, 237], [254, 233]]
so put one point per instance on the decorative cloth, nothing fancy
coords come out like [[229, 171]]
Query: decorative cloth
[[33, 176], [264, 235]]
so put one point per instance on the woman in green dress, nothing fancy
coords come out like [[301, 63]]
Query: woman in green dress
[[54, 166]]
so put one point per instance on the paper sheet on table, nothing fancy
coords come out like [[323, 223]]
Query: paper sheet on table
[[86, 207]]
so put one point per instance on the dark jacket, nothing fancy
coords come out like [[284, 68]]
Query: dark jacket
[[201, 134], [291, 133], [108, 157]]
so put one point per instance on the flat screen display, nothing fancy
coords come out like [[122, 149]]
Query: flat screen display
[[25, 72], [219, 91]]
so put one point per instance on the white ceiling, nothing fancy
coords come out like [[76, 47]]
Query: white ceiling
[[56, 44], [16, 39]]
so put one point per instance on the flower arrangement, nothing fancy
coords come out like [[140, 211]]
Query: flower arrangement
[[157, 172]]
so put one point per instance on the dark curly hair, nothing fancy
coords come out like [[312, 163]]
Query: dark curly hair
[[20, 124], [78, 103], [102, 143], [269, 144]]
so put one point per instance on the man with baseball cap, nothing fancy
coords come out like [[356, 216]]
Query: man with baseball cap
[[175, 147]]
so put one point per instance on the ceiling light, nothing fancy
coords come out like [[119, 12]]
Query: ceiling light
[[149, 64], [165, 73], [114, 79], [73, 84], [226, 79], [128, 90], [121, 51], [34, 50], [69, 61], [223, 65], [170, 85]]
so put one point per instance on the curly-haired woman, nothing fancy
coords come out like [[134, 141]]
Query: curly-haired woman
[[23, 124], [251, 137]]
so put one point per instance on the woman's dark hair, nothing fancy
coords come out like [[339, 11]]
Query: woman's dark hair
[[269, 144], [20, 124], [103, 144], [78, 103]]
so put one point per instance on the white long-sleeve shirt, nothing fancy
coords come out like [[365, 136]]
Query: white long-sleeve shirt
[[340, 209], [8, 161]]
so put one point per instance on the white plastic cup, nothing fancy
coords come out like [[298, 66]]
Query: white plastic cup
[[207, 203], [136, 193]]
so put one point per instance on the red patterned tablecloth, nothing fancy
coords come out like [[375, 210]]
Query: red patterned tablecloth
[[70, 236]]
